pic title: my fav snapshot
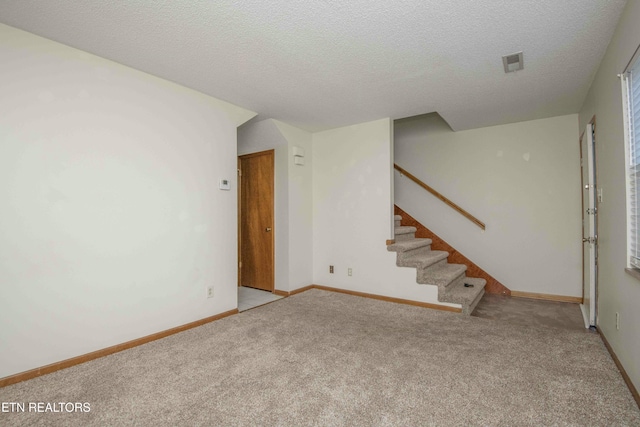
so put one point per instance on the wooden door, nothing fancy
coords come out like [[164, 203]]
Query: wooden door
[[256, 220]]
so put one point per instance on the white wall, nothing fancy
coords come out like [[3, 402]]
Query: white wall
[[259, 136], [617, 291], [300, 219], [522, 180], [352, 178], [112, 224]]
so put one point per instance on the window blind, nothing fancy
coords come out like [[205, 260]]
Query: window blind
[[632, 78]]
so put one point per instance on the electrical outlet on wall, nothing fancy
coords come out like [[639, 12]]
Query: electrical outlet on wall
[[617, 321], [209, 291], [349, 271], [331, 269]]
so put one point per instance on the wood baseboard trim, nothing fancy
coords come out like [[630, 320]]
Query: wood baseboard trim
[[548, 297], [300, 290], [373, 296], [627, 380], [390, 299], [33, 373], [293, 292]]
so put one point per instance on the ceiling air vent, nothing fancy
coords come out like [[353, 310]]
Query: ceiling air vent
[[513, 62]]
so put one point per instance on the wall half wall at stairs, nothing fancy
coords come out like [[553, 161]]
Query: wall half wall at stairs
[[521, 179], [352, 214]]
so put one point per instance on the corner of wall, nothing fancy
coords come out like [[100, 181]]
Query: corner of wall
[[300, 225], [353, 211]]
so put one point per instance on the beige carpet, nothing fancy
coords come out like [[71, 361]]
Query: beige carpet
[[322, 358]]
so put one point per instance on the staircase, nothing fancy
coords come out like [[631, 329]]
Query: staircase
[[433, 269]]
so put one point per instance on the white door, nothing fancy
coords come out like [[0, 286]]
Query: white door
[[589, 226]]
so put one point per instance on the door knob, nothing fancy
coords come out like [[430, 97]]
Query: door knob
[[267, 229]]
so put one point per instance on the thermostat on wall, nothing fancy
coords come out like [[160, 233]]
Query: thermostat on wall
[[224, 184]]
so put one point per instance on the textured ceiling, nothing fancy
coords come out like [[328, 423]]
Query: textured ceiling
[[325, 63]]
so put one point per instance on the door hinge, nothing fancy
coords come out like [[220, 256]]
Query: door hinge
[[240, 264], [239, 172], [592, 211], [591, 240]]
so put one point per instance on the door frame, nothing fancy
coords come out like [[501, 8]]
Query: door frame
[[240, 207], [590, 317]]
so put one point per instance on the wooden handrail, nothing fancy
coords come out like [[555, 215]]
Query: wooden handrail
[[457, 208]]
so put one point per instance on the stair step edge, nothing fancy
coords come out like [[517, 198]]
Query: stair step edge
[[404, 229], [423, 260], [441, 275], [473, 305], [458, 294], [451, 271], [408, 245]]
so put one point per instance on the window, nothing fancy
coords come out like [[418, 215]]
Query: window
[[631, 103]]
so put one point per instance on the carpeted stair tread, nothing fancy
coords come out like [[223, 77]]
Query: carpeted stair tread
[[468, 297], [420, 260], [441, 274], [408, 245], [397, 218], [404, 229]]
